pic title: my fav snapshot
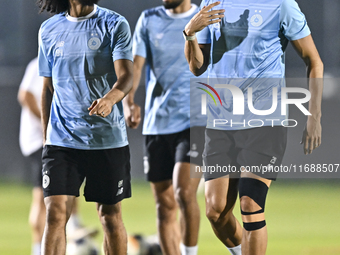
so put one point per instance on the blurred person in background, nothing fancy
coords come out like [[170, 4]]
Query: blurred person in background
[[168, 126], [31, 140]]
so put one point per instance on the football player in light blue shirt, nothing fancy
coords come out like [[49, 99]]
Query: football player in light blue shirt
[[156, 40], [85, 59], [158, 43], [243, 40], [240, 33]]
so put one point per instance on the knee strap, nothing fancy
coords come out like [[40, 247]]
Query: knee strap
[[256, 190]]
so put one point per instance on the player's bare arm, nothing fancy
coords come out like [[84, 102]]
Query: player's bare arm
[[198, 55], [132, 111], [103, 106], [305, 47], [46, 100], [27, 99]]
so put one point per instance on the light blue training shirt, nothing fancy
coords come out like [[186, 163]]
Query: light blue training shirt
[[247, 51], [79, 55], [158, 38]]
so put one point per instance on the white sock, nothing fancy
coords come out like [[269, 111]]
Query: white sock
[[36, 249], [235, 250], [188, 250]]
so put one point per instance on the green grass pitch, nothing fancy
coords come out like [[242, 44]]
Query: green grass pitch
[[302, 218]]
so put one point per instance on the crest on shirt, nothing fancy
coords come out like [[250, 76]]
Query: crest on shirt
[[94, 42], [256, 20]]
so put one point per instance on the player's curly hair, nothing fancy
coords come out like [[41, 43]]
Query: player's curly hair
[[58, 6]]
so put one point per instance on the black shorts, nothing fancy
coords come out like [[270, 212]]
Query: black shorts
[[36, 168], [162, 152], [107, 173], [256, 150]]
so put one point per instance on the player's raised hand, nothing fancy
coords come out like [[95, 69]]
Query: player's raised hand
[[132, 114], [101, 107], [203, 18], [311, 137]]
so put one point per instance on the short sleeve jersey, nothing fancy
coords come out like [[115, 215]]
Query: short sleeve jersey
[[250, 42], [79, 55], [158, 38]]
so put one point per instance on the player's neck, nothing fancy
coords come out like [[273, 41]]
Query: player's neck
[[183, 7], [78, 10]]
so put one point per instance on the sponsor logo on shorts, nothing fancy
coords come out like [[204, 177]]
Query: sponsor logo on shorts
[[273, 160], [193, 152], [45, 181], [146, 165], [120, 191], [194, 146], [120, 184], [120, 188]]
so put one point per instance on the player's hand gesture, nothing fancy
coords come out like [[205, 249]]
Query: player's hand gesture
[[311, 137], [132, 114], [101, 107], [203, 18]]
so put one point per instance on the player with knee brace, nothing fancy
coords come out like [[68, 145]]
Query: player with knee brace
[[241, 44]]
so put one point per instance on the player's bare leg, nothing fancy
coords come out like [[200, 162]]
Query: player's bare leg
[[115, 238], [37, 215], [220, 196], [74, 221], [185, 193], [168, 227], [58, 211], [253, 242]]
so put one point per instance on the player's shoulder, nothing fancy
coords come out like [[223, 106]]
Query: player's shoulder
[[110, 16], [111, 20], [155, 11], [52, 23], [287, 3]]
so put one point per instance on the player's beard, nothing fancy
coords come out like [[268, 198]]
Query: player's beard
[[173, 4]]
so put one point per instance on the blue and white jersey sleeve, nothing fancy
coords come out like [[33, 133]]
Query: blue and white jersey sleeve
[[139, 38], [203, 37], [122, 44], [45, 67], [293, 22]]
